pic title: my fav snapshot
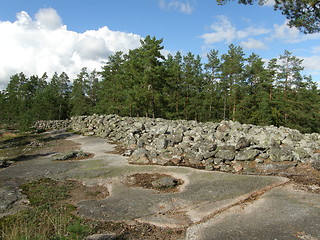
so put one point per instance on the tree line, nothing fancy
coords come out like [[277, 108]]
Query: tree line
[[144, 82]]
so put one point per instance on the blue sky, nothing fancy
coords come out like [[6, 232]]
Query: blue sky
[[64, 35]]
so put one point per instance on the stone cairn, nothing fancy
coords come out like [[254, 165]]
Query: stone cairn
[[225, 146]]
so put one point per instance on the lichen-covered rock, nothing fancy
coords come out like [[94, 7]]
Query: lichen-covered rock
[[225, 154], [247, 155], [140, 156], [280, 155]]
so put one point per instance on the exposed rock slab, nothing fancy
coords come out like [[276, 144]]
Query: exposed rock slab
[[282, 213]]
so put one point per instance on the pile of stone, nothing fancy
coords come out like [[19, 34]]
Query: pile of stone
[[52, 124], [227, 146]]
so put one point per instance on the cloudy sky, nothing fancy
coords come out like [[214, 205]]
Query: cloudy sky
[[65, 35]]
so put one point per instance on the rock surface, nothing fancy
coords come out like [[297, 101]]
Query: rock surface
[[207, 204]]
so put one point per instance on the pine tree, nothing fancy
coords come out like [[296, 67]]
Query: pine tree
[[212, 99], [231, 79], [80, 103], [173, 65]]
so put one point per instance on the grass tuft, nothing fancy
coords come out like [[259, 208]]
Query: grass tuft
[[49, 218]]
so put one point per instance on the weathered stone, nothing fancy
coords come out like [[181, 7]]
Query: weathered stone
[[165, 182], [223, 126], [301, 153], [128, 152], [64, 156], [226, 168], [221, 136], [259, 160], [209, 167], [316, 165], [280, 155], [247, 155], [176, 159], [242, 143], [109, 236], [225, 154], [217, 160], [8, 196], [140, 156], [264, 155], [238, 167], [177, 138], [160, 143], [195, 161], [162, 159], [275, 166], [207, 155], [89, 133]]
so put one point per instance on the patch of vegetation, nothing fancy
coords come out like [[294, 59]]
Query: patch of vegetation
[[50, 216], [46, 192]]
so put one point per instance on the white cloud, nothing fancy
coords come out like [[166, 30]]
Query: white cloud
[[253, 44], [316, 49], [43, 44], [225, 31], [311, 63], [48, 18], [291, 34], [269, 3], [183, 6]]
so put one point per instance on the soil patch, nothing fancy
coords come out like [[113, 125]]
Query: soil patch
[[80, 192], [137, 231], [306, 177]]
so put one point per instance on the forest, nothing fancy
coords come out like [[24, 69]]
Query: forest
[[146, 83]]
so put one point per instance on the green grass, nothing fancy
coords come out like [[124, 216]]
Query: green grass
[[48, 218]]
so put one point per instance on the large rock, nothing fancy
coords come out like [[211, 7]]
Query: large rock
[[140, 156], [242, 143], [280, 155], [160, 143], [247, 155], [225, 154]]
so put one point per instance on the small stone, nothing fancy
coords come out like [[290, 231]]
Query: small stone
[[64, 156], [209, 167], [101, 237], [259, 160], [316, 165], [128, 152], [165, 182], [176, 159], [238, 168], [91, 133]]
